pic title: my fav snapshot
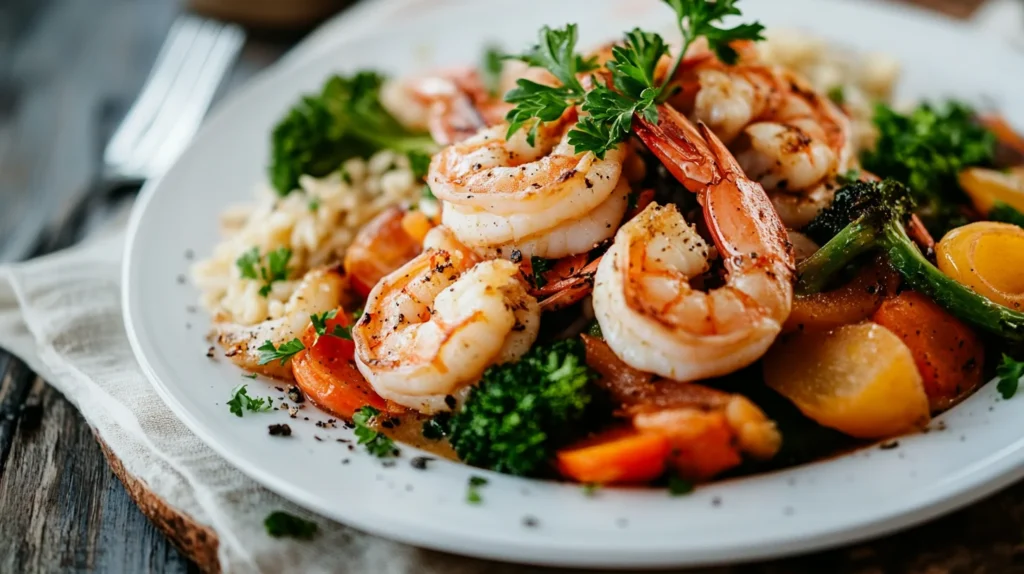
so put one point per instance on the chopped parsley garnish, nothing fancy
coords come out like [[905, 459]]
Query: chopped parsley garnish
[[590, 489], [279, 524], [250, 376], [269, 269], [342, 332], [678, 486], [314, 204], [357, 315], [837, 94], [540, 267], [436, 428], [270, 353], [1009, 372], [320, 321], [490, 70], [427, 194], [377, 443], [634, 89], [473, 490], [241, 402]]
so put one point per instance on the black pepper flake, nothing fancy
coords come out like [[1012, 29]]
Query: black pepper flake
[[344, 461], [181, 279], [716, 501], [889, 445], [342, 440], [318, 439], [420, 462], [530, 521], [280, 430], [388, 463], [295, 394], [351, 447], [189, 254], [211, 352]]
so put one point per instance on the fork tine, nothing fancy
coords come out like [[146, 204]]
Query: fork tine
[[168, 63], [228, 43]]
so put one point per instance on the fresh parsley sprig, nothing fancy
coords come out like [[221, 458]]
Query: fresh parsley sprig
[[377, 443], [320, 321], [269, 269], [537, 103], [1009, 372], [241, 402], [279, 524], [269, 353]]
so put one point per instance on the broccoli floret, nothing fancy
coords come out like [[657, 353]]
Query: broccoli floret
[[345, 120], [927, 149], [517, 416], [1006, 213], [874, 213]]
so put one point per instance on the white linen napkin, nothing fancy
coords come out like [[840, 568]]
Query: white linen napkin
[[61, 314]]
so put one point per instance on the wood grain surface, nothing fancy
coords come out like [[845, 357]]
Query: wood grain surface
[[66, 504]]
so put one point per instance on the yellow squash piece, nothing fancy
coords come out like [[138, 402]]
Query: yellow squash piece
[[987, 186], [859, 379], [987, 257]]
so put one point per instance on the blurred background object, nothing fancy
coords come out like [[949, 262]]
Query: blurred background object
[[269, 14]]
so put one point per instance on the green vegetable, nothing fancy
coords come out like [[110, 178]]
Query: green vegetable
[[634, 90], [251, 266], [536, 103], [869, 215], [251, 376], [678, 486], [517, 416], [1009, 373], [591, 489], [927, 150], [320, 321], [473, 489], [345, 120], [241, 401], [837, 94], [436, 428], [419, 163], [313, 205], [377, 443], [1006, 213], [280, 524], [540, 266], [490, 70], [594, 330], [269, 353]]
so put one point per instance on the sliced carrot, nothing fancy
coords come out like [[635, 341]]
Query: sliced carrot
[[947, 352], [328, 377], [616, 457], [703, 443]]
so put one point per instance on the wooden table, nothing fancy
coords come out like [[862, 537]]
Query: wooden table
[[65, 63]]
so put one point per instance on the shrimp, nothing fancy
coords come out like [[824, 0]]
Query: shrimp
[[542, 199], [651, 314], [785, 136], [431, 328], [319, 291]]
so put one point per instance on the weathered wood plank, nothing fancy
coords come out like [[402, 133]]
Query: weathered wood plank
[[63, 509], [15, 380]]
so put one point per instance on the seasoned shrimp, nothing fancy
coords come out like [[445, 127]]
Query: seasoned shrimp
[[320, 290], [650, 311], [787, 137], [545, 197], [431, 328]]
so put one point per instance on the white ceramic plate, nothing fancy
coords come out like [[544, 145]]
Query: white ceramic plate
[[864, 494]]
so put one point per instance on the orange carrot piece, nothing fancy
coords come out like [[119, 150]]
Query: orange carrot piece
[[703, 443], [616, 457], [947, 353], [1004, 132]]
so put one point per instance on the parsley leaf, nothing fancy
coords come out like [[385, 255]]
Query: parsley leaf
[[473, 490], [250, 376], [251, 266], [419, 163], [377, 443], [678, 486], [280, 524], [540, 266], [342, 332], [314, 204], [837, 94], [490, 70], [427, 194], [537, 103], [320, 321], [698, 18], [241, 401], [1009, 373], [270, 353]]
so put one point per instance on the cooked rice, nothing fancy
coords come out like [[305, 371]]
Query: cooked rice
[[316, 237]]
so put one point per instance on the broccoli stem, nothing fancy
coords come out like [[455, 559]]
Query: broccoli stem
[[958, 299], [816, 271], [1005, 213]]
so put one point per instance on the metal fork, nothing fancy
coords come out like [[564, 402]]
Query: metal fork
[[193, 60]]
